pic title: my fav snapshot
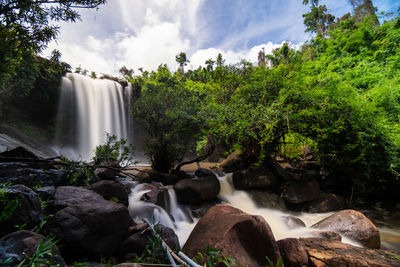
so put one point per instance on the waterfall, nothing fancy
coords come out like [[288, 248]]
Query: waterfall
[[88, 109]]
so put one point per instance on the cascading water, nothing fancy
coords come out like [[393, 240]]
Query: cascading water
[[90, 108], [175, 216]]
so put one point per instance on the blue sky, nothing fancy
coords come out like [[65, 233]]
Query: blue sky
[[146, 33]]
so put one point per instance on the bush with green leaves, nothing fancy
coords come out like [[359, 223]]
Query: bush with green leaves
[[42, 255], [115, 151]]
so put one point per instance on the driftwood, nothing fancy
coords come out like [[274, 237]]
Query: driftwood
[[198, 159]]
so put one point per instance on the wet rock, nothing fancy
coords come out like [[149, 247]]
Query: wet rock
[[199, 210], [246, 238], [301, 191], [293, 253], [352, 224], [293, 222], [28, 211], [325, 203], [267, 199], [87, 224], [324, 252], [12, 247], [46, 193], [233, 162], [135, 244], [17, 173], [157, 195], [254, 178], [110, 190], [197, 190], [201, 172], [328, 235]]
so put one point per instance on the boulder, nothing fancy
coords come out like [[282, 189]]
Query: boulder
[[28, 210], [248, 239], [325, 203], [199, 210], [322, 252], [106, 173], [301, 191], [233, 162], [271, 164], [254, 178], [201, 172], [18, 173], [136, 244], [293, 253], [46, 193], [293, 222], [352, 224], [87, 224], [110, 190], [197, 190], [267, 200], [12, 247], [157, 195]]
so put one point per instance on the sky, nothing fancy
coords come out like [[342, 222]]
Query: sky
[[147, 33]]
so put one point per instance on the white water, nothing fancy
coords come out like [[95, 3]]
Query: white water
[[88, 109], [177, 219]]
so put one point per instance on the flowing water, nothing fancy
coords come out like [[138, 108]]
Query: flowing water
[[88, 109], [179, 218]]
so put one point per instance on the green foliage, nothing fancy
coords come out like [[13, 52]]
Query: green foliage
[[79, 173], [8, 205], [42, 255], [213, 257], [279, 263], [114, 150]]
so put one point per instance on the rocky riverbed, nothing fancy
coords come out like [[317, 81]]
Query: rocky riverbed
[[104, 219]]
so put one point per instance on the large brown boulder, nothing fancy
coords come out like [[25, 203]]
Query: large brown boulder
[[254, 178], [325, 203], [87, 224], [248, 239], [111, 190], [354, 225], [197, 190], [12, 247], [233, 162], [322, 252], [293, 252], [301, 191]]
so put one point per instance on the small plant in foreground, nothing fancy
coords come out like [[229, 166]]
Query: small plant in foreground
[[213, 257], [279, 263], [42, 254]]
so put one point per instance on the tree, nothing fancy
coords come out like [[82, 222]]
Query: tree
[[182, 60], [317, 20], [167, 111], [363, 9], [25, 30], [261, 58]]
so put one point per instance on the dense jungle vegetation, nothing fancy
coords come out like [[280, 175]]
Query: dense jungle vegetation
[[338, 94]]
